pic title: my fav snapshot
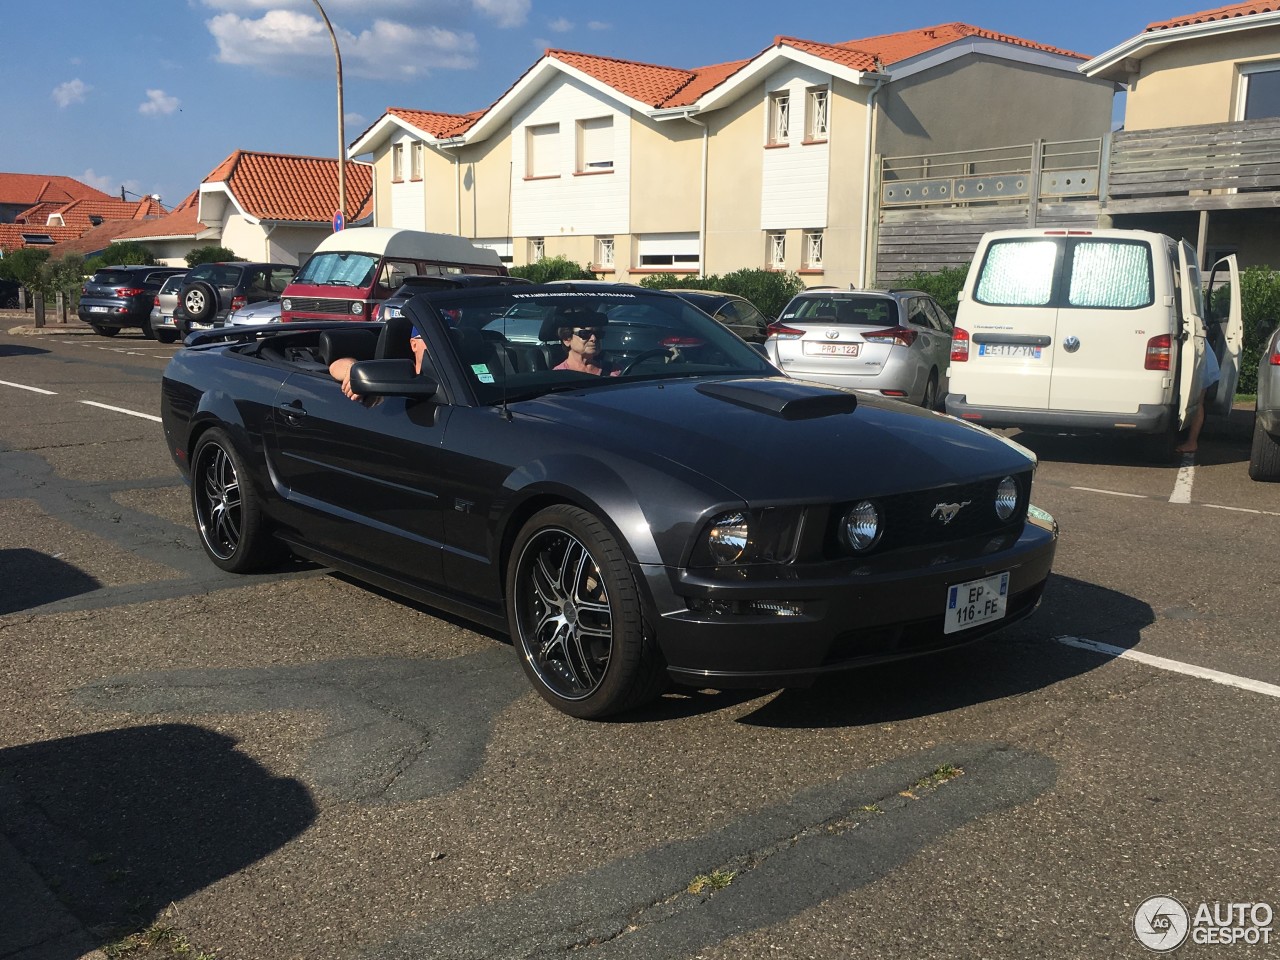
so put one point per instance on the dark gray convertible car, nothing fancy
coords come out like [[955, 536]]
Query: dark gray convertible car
[[689, 515]]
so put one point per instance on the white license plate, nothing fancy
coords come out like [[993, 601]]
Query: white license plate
[[975, 602], [832, 349], [99, 309], [1009, 350]]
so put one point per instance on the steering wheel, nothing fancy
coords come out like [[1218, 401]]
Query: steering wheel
[[642, 357]]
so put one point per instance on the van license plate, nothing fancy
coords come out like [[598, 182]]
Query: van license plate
[[833, 349], [1009, 350], [975, 602]]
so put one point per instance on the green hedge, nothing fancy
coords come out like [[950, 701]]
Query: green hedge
[[944, 286], [552, 268], [1260, 304], [769, 290]]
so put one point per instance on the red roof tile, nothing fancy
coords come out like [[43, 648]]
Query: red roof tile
[[182, 221], [893, 47], [276, 186], [646, 82], [81, 213], [703, 80], [439, 125], [11, 235], [94, 239], [32, 188], [1209, 16]]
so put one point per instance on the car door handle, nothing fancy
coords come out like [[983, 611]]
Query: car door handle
[[293, 411]]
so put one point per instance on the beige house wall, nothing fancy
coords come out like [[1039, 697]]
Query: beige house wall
[[980, 102], [842, 242], [735, 179], [1196, 81]]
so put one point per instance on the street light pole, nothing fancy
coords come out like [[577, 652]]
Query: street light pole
[[342, 133]]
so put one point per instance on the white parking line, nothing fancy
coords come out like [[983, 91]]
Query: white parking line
[[1186, 477], [1173, 666], [23, 386], [1113, 493], [132, 413], [1264, 513]]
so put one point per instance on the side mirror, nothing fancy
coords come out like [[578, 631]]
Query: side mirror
[[390, 378]]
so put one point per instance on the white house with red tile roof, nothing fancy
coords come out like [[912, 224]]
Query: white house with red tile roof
[[761, 162], [1199, 155], [21, 191]]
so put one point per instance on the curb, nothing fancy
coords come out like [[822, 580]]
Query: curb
[[52, 330]]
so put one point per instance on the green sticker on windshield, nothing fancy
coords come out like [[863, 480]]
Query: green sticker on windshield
[[481, 370]]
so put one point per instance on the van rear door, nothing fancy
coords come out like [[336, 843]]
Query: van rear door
[[1232, 332], [1106, 303], [1011, 357], [1191, 343]]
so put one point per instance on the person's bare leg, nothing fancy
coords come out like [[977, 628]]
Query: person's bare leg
[[1193, 431]]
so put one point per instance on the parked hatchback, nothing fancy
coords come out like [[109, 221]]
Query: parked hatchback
[[1264, 459], [737, 313], [893, 342], [122, 296], [213, 290], [166, 299]]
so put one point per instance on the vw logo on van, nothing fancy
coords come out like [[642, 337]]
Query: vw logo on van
[[1071, 344]]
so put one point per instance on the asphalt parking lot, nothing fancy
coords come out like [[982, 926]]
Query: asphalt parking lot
[[291, 765]]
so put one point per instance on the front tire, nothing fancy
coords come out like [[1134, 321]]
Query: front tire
[[576, 616], [1264, 457], [166, 336], [228, 509]]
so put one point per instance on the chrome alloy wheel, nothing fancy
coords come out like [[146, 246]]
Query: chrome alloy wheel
[[218, 502], [194, 301], [563, 615]]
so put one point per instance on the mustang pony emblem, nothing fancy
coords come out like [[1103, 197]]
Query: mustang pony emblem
[[947, 511]]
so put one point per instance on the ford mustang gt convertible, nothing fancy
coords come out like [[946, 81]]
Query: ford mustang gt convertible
[[689, 515]]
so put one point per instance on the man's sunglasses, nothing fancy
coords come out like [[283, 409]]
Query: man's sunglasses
[[586, 333]]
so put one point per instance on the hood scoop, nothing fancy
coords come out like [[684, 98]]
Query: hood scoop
[[789, 400]]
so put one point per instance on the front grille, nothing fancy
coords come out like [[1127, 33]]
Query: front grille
[[916, 519], [318, 305]]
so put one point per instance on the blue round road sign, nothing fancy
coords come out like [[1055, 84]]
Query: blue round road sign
[[339, 221]]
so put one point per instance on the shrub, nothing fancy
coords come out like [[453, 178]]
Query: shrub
[[23, 265], [126, 253], [944, 286], [769, 290], [64, 275], [552, 268], [211, 254]]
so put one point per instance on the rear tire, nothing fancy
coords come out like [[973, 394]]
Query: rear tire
[[576, 616], [228, 509], [200, 301], [930, 399], [148, 332], [104, 331], [166, 336], [1264, 458]]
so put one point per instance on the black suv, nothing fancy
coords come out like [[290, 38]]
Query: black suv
[[117, 297], [213, 290]]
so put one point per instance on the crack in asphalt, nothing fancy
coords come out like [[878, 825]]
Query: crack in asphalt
[[790, 858]]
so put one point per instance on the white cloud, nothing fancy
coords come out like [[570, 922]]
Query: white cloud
[[598, 25], [73, 91], [282, 41], [507, 13], [158, 103], [560, 25], [103, 183], [354, 121]]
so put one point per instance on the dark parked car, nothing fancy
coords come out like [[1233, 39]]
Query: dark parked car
[[9, 293], [697, 517], [393, 306], [213, 290], [118, 297], [737, 313], [1264, 458]]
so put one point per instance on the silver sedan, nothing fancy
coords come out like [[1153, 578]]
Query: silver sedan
[[1264, 459]]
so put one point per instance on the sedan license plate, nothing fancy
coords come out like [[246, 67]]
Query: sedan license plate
[[1009, 350], [98, 309], [975, 602], [833, 349]]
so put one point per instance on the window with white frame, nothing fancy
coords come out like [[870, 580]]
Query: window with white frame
[[776, 249], [415, 160], [595, 145], [537, 249], [1261, 93], [813, 250], [540, 150], [604, 252], [397, 161], [779, 117], [816, 114], [667, 251]]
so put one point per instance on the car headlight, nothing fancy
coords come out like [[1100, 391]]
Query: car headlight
[[862, 526], [286, 304], [728, 536], [357, 308], [1006, 498]]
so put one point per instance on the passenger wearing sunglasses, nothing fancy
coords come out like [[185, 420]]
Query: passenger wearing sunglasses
[[584, 342]]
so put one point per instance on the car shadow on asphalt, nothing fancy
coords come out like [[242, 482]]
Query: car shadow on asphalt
[[19, 350], [33, 579], [1223, 440], [1018, 660], [99, 833]]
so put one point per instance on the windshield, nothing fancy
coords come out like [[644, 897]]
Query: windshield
[[338, 269], [521, 345], [836, 308]]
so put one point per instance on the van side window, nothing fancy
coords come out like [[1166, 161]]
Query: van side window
[[1017, 273], [1111, 274]]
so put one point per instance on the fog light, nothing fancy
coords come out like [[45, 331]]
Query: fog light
[[776, 608], [1006, 498], [862, 526]]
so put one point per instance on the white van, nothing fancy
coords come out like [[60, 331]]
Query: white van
[[1083, 331], [353, 269]]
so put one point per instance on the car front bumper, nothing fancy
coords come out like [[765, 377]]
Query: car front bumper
[[848, 614]]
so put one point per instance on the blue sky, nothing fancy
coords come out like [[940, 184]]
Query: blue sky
[[151, 95]]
